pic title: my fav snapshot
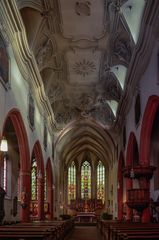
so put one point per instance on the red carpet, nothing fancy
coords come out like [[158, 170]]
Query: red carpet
[[84, 233]]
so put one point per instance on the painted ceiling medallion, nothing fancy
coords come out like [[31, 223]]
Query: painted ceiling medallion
[[82, 8], [84, 68]]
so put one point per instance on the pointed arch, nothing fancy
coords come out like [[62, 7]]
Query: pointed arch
[[146, 129], [15, 117], [132, 158], [37, 154], [37, 151], [150, 112]]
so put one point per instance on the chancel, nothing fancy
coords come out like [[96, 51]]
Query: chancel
[[79, 119]]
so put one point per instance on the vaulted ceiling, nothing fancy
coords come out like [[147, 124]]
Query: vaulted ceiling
[[83, 50]]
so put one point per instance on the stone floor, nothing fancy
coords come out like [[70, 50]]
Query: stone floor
[[84, 233]]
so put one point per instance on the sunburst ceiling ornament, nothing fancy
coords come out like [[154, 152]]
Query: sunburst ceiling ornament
[[84, 68]]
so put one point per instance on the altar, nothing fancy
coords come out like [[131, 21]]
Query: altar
[[85, 217]]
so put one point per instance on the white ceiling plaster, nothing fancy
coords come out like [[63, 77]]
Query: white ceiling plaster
[[82, 19]]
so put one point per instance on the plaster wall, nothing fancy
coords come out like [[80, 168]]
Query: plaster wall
[[16, 96], [147, 86]]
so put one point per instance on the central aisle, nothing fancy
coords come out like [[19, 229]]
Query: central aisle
[[84, 233]]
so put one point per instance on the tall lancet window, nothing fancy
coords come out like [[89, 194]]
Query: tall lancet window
[[101, 181], [34, 180], [71, 182], [86, 180]]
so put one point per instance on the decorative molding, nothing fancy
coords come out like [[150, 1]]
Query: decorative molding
[[25, 58]]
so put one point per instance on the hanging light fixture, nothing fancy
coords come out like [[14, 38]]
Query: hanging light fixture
[[4, 145]]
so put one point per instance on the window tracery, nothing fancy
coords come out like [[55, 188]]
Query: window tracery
[[86, 180], [100, 181], [71, 182], [34, 179]]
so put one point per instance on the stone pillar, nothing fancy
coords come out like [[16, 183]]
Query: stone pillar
[[65, 191], [50, 201], [94, 182], [120, 202], [25, 194], [40, 197], [78, 180]]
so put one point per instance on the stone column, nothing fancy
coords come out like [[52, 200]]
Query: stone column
[[25, 195], [50, 201], [65, 191], [40, 185], [94, 181], [78, 180], [129, 211]]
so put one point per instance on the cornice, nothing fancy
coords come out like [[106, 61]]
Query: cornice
[[11, 18]]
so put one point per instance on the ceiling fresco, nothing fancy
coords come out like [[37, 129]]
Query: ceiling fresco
[[83, 50]]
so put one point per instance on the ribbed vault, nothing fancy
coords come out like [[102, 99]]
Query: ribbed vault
[[82, 137]]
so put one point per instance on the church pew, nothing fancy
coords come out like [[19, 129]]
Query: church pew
[[47, 233], [131, 228], [105, 224], [137, 237], [62, 227], [138, 233], [109, 230], [57, 230], [21, 234], [15, 236]]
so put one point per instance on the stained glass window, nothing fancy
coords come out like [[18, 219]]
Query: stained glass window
[[71, 182], [86, 180], [34, 180], [100, 181], [45, 186]]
